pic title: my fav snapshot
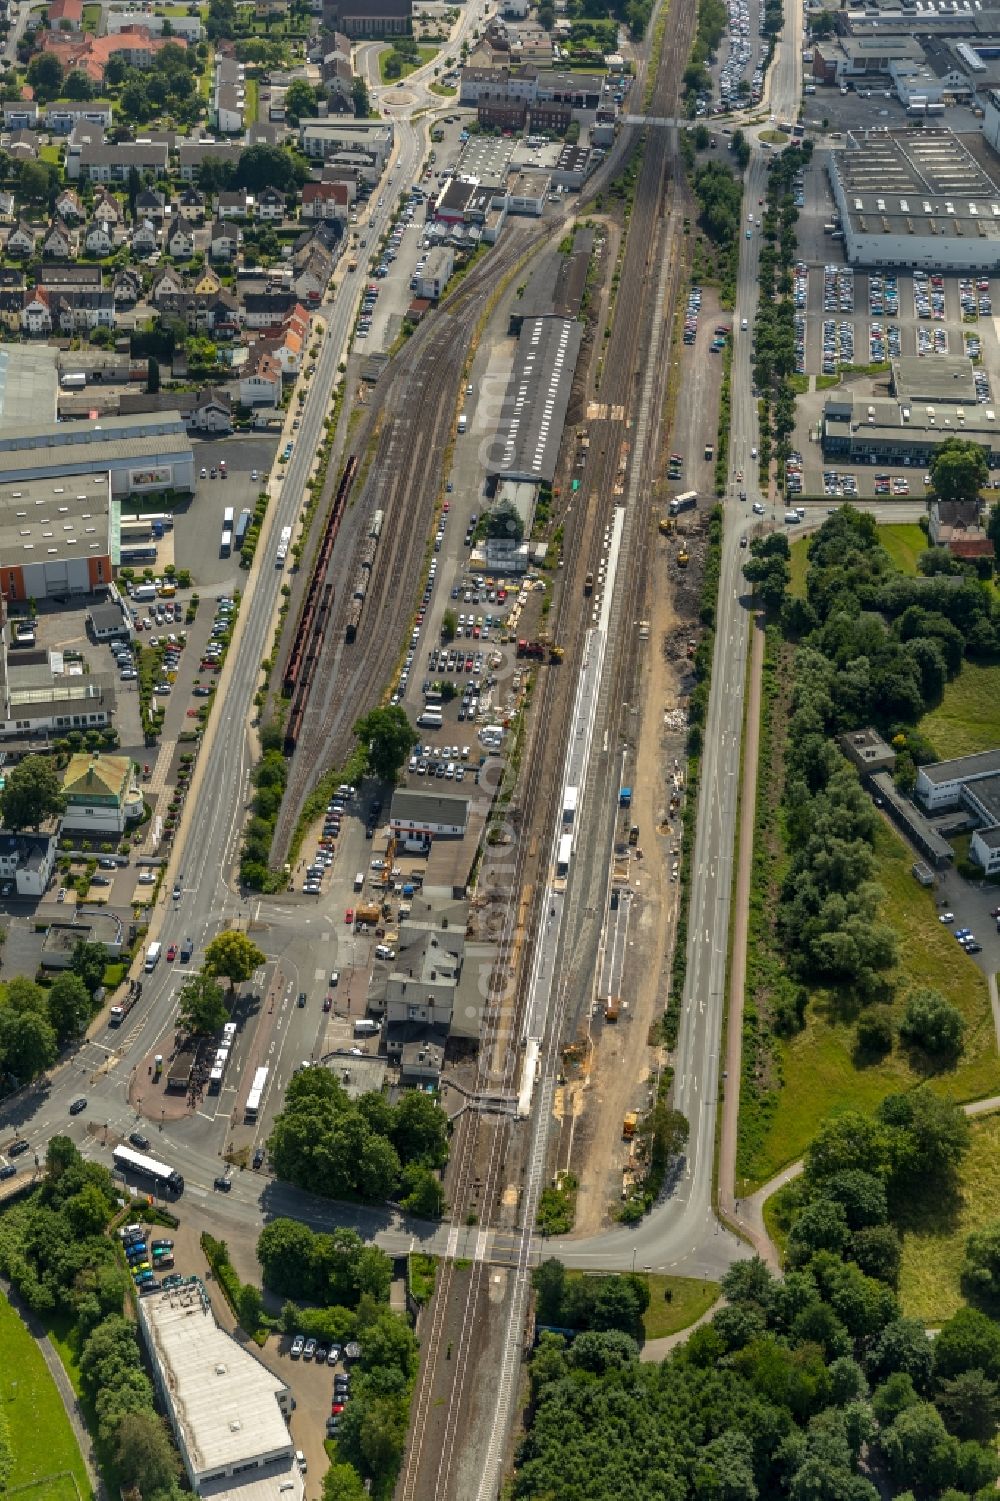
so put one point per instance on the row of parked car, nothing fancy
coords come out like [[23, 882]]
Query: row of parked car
[[311, 1349], [148, 1258]]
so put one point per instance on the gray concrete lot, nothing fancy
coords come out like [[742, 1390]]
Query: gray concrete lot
[[198, 522]]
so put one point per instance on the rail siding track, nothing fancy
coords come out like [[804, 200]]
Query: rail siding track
[[436, 1433], [403, 480]]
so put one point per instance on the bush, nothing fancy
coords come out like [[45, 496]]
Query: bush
[[874, 1032], [932, 1024]]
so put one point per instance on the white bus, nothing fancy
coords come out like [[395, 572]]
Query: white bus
[[252, 1107], [167, 1179], [284, 541]]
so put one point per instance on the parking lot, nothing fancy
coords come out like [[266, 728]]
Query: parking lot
[[198, 521], [848, 320], [738, 74]]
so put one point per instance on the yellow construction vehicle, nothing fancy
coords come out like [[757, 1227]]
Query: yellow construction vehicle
[[683, 558], [666, 525]]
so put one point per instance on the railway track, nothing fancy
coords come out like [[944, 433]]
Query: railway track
[[435, 1434], [405, 482]]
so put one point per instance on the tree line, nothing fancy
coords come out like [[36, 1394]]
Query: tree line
[[774, 325], [365, 1148], [55, 1249], [873, 646], [812, 1387], [349, 1281]]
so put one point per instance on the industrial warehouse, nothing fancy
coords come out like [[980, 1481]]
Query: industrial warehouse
[[931, 400], [915, 198]]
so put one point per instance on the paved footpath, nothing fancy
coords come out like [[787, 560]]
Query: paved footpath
[[63, 1385]]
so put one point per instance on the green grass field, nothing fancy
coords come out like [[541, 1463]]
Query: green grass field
[[41, 1437], [818, 1069], [968, 717], [930, 1285], [690, 1297], [426, 55], [797, 568], [904, 544]]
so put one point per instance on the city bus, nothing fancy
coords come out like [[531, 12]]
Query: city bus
[[252, 1107], [165, 1178]]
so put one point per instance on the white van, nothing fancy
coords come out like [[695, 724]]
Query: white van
[[359, 880], [792, 518], [430, 719], [364, 1027], [463, 423], [153, 956]]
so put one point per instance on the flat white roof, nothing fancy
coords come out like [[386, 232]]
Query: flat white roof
[[225, 1402]]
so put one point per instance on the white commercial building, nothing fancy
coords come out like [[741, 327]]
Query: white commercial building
[[436, 274], [915, 199], [430, 813], [985, 849], [227, 1410], [939, 786]]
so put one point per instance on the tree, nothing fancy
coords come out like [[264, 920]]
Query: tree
[[919, 1450], [33, 790], [145, 1455], [958, 469], [27, 1043], [931, 1023], [903, 1348], [970, 1405], [420, 1130], [300, 100], [233, 955], [968, 1341], [423, 1194], [388, 737], [45, 74], [982, 1260], [359, 96], [34, 181], [449, 625], [78, 86], [343, 1483], [69, 1006], [249, 1308], [89, 962], [202, 1009], [116, 70], [874, 1031], [153, 377], [284, 1250], [263, 166], [549, 1282]]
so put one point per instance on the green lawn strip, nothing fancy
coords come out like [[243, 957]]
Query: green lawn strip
[[43, 1443], [91, 18], [426, 55], [797, 568], [904, 544], [690, 1297], [777, 1221], [818, 1071], [968, 717], [930, 1284], [65, 1338]]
